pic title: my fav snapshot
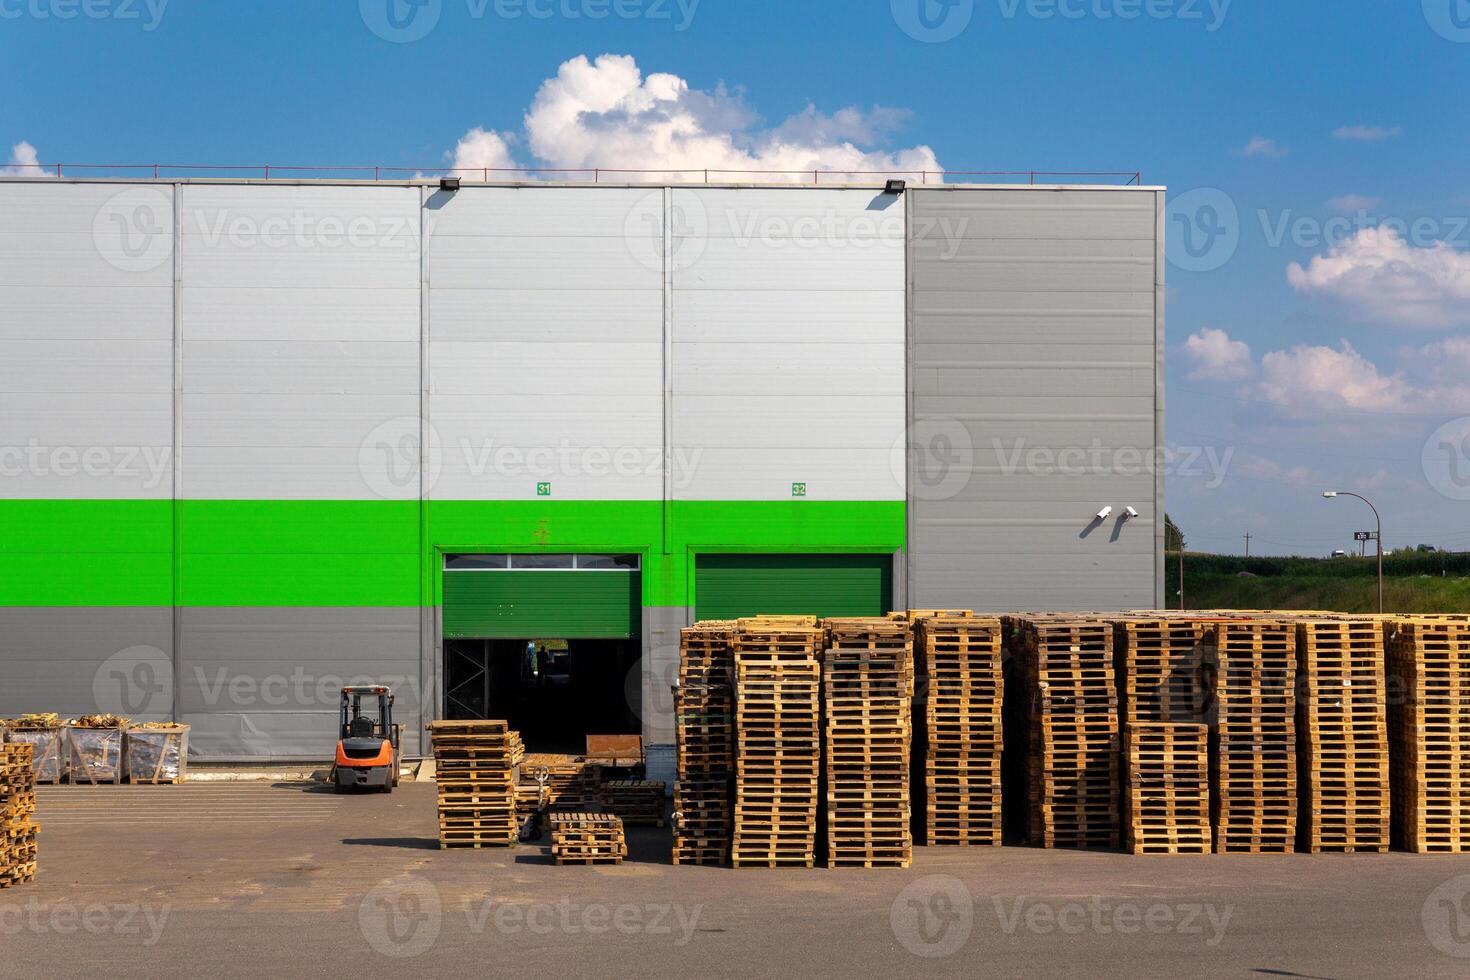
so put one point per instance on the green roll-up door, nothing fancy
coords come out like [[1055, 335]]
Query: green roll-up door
[[541, 604], [731, 586]]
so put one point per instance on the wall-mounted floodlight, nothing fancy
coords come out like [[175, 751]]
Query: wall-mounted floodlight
[[895, 187], [450, 184], [1103, 514], [1130, 513]]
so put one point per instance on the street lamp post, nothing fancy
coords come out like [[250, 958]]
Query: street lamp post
[[1330, 494]]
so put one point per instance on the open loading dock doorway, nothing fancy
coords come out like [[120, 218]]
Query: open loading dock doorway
[[550, 643]]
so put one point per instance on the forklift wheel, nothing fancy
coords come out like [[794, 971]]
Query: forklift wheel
[[340, 788], [388, 786]]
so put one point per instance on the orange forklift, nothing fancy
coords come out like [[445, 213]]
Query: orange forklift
[[368, 752]]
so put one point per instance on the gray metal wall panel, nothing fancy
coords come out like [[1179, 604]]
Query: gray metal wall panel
[[660, 670], [546, 343], [85, 660], [787, 344], [1033, 348], [264, 682], [300, 323], [86, 342]]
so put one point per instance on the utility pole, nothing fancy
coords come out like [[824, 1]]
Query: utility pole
[[1247, 544]]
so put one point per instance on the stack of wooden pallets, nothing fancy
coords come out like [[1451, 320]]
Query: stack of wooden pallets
[[1429, 733], [1167, 789], [704, 734], [638, 802], [18, 827], [587, 838], [1164, 668], [867, 692], [1071, 714], [1342, 736], [958, 726], [476, 767], [779, 741], [1253, 765]]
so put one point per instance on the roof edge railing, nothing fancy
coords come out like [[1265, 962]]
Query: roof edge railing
[[268, 171]]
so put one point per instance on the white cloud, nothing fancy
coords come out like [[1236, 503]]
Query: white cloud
[[605, 113], [1378, 276], [1217, 357], [1367, 134], [23, 162], [1322, 380], [1260, 146], [1354, 202], [480, 148]]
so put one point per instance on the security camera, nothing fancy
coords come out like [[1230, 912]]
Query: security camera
[[1102, 515], [1130, 512]]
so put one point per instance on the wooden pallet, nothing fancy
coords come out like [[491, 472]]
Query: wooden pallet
[[1167, 788], [1342, 735], [1429, 733], [1164, 668], [1070, 714], [481, 801], [19, 830], [579, 837]]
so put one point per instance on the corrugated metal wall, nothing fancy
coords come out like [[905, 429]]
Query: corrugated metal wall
[[275, 358], [1036, 326]]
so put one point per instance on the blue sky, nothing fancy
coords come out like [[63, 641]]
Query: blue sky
[[1288, 113]]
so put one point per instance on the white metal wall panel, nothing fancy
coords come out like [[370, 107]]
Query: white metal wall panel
[[1033, 367], [546, 343], [300, 318], [86, 341], [788, 343]]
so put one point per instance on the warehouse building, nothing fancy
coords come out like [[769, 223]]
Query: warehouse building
[[496, 444]]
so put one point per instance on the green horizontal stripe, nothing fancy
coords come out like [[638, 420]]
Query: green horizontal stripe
[[383, 553]]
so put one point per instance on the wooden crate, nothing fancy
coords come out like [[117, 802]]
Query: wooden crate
[[1167, 788], [95, 755], [867, 693], [587, 838], [1071, 719], [778, 743], [50, 762], [157, 755], [959, 727], [1253, 759], [476, 767], [1342, 736], [1429, 733]]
